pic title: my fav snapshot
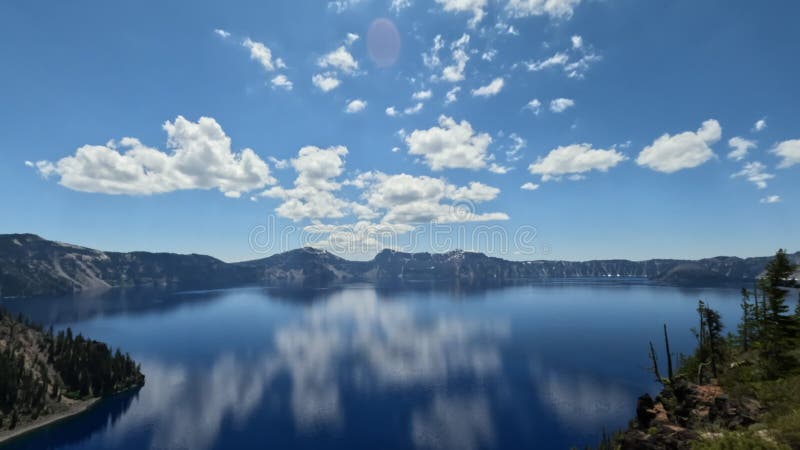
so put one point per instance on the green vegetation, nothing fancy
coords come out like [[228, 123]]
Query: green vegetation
[[38, 369], [736, 391]]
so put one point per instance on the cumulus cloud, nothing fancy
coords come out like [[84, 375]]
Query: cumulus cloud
[[340, 59], [451, 145], [476, 7], [530, 186], [313, 194], [326, 81], [740, 148], [222, 33], [414, 109], [490, 89], [263, 55], [392, 111], [489, 55], [771, 199], [577, 42], [282, 82], [686, 150], [559, 59], [452, 95], [535, 106], [200, 158], [575, 160], [561, 104], [454, 72], [431, 59], [409, 199], [556, 9], [755, 173], [355, 106], [351, 38], [789, 152], [760, 125], [422, 95]]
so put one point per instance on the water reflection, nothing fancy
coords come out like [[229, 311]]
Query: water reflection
[[580, 401], [359, 367], [102, 417], [385, 346]]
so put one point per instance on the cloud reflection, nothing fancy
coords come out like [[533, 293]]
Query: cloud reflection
[[580, 401], [382, 344]]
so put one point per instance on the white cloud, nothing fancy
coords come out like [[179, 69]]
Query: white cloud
[[431, 59], [282, 82], [455, 71], [530, 186], [339, 59], [313, 194], [534, 105], [326, 81], [489, 55], [789, 151], [498, 169], [392, 111], [771, 199], [415, 109], [518, 143], [278, 163], [263, 55], [355, 106], [222, 33], [399, 5], [340, 6], [351, 38], [490, 89], [755, 173], [408, 199], [556, 9], [476, 7], [452, 95], [574, 66], [741, 146], [686, 150], [561, 104], [575, 159], [451, 145], [559, 59], [422, 95], [200, 158], [760, 125]]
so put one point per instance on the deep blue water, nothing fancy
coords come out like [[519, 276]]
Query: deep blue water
[[540, 367]]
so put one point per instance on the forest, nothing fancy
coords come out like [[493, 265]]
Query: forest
[[739, 389], [41, 370]]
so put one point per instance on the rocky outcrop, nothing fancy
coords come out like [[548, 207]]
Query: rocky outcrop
[[681, 413]]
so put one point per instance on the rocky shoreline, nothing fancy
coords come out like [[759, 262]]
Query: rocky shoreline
[[684, 413]]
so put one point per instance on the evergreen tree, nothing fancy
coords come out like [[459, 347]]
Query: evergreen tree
[[778, 328]]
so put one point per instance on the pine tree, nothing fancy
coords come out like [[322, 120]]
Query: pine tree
[[778, 329]]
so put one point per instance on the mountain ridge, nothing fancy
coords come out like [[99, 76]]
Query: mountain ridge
[[31, 266]]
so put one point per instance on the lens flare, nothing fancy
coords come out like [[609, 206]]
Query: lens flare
[[383, 42]]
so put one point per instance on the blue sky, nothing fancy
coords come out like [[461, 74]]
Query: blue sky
[[171, 127]]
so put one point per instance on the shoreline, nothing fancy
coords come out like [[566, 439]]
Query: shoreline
[[74, 409]]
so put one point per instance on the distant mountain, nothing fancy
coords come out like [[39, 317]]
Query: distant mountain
[[30, 265]]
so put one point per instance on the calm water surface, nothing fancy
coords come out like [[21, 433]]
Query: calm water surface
[[540, 367]]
